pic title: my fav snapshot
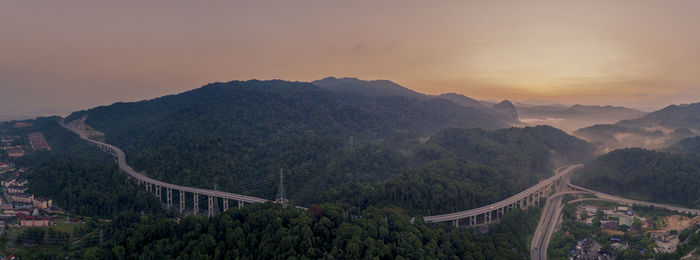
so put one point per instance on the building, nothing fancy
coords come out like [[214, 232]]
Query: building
[[23, 206], [15, 151], [591, 210], [7, 183], [38, 142], [609, 224], [16, 189], [43, 203], [21, 197], [32, 221], [6, 206], [21, 182], [626, 220], [22, 124]]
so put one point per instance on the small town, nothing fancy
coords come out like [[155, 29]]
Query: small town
[[20, 210], [621, 228]]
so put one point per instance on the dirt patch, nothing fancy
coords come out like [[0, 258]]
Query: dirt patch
[[677, 222]]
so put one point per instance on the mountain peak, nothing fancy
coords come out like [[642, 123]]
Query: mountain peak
[[507, 108], [371, 88]]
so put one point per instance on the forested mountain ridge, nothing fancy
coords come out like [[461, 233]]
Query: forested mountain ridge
[[646, 175], [370, 88], [79, 177], [504, 111], [657, 130], [237, 135], [688, 145], [671, 117], [456, 169], [256, 127]]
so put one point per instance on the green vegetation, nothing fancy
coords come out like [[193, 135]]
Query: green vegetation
[[264, 231], [647, 175], [689, 145], [334, 147], [456, 169], [79, 177], [237, 135], [53, 242]]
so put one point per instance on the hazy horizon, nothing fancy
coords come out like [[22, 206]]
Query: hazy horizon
[[66, 56]]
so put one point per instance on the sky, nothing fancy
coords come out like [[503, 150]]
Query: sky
[[61, 56]]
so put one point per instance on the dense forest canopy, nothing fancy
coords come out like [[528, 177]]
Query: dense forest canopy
[[236, 136], [456, 169], [646, 175], [264, 231], [79, 177], [86, 181], [243, 130]]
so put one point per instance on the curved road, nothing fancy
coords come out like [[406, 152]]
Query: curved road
[[121, 160], [547, 223], [511, 200], [552, 211]]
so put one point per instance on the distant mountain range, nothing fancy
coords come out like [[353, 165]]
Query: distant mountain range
[[659, 129], [574, 117], [384, 88]]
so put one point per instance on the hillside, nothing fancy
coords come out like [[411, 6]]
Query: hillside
[[457, 169], [646, 175], [504, 111], [671, 117], [237, 135], [243, 131], [462, 100], [656, 130], [370, 88]]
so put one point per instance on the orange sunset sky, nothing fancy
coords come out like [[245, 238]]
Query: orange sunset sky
[[69, 55]]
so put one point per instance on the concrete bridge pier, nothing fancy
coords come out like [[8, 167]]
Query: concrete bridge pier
[[455, 222], [169, 197], [210, 210], [240, 204], [225, 204], [182, 202], [196, 203], [158, 193]]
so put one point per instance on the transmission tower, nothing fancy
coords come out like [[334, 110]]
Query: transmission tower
[[281, 194]]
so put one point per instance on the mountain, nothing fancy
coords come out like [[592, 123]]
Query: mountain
[[332, 147], [645, 175], [370, 88], [385, 88], [456, 169], [239, 132], [656, 130], [504, 110], [671, 117], [573, 117], [689, 145], [462, 100], [507, 110]]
